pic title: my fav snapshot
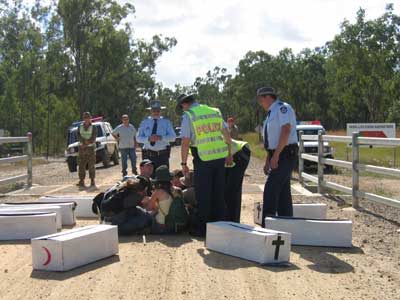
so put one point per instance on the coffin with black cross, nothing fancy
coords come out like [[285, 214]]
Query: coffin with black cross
[[261, 245], [300, 210]]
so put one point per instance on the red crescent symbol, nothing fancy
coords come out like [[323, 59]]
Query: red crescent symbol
[[48, 256]]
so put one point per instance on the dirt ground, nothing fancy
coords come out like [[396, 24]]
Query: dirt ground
[[180, 267]]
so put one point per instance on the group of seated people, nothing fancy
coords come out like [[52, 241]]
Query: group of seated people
[[140, 204]]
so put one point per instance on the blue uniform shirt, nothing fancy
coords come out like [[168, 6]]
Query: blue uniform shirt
[[187, 130], [164, 129], [280, 113]]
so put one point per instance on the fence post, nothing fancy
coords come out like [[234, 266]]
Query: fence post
[[320, 165], [355, 172], [301, 160], [30, 174]]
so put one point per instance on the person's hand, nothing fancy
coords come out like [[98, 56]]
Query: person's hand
[[229, 160], [185, 170], [274, 161], [266, 167], [155, 138]]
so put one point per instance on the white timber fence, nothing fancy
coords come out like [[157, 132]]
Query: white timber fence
[[355, 166], [26, 157]]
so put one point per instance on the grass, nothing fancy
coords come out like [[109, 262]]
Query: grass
[[257, 148]]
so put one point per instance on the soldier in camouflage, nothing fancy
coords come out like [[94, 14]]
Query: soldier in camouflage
[[87, 134]]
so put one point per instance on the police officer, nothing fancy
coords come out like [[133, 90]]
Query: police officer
[[205, 133], [87, 134], [280, 142], [234, 175], [156, 133]]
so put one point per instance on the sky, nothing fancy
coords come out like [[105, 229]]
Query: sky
[[220, 32]]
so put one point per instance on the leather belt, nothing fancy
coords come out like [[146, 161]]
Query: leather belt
[[151, 153], [288, 148]]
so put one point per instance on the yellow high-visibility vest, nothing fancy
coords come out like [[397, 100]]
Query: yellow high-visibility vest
[[207, 124], [86, 134]]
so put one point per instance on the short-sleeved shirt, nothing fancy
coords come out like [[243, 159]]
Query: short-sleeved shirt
[[127, 136], [280, 113], [187, 130], [164, 129]]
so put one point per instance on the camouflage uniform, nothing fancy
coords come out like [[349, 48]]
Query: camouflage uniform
[[87, 155]]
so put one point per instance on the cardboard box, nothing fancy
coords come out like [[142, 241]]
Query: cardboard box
[[83, 204], [21, 225], [314, 232], [252, 243], [32, 210], [77, 247], [300, 210], [67, 209]]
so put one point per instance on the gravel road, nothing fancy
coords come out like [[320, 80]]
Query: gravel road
[[180, 267]]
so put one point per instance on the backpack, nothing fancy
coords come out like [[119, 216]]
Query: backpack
[[177, 219]]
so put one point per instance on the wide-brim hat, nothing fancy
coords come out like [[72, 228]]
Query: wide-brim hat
[[182, 98], [162, 174], [155, 104], [266, 91]]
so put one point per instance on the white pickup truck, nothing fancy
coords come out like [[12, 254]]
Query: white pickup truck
[[311, 147]]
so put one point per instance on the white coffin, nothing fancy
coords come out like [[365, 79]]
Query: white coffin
[[23, 226], [32, 210], [247, 242], [300, 210], [313, 232], [83, 204], [74, 248], [67, 209]]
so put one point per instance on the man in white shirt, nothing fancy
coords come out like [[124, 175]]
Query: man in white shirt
[[125, 133]]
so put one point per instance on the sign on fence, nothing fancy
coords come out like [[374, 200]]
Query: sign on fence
[[373, 130]]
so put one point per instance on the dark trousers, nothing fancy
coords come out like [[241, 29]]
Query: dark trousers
[[233, 185], [209, 181], [277, 193], [125, 153], [158, 160]]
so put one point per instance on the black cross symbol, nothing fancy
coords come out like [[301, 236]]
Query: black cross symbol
[[277, 243]]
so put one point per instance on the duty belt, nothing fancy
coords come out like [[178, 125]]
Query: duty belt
[[151, 153], [289, 149]]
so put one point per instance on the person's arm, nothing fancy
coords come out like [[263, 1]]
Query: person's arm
[[185, 144], [141, 136], [80, 138], [228, 141], [115, 133], [284, 116], [170, 135]]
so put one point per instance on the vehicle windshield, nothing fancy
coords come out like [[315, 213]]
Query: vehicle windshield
[[309, 131], [73, 134]]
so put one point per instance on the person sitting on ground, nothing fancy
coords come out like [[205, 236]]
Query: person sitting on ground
[[122, 207], [164, 198], [146, 170]]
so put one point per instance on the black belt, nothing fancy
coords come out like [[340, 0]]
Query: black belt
[[151, 153], [291, 149]]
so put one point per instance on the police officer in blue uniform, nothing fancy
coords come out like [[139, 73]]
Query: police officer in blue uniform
[[156, 133], [280, 142]]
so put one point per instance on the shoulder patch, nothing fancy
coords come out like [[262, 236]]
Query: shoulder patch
[[283, 109]]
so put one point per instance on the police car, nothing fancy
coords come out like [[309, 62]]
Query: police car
[[106, 144], [311, 147]]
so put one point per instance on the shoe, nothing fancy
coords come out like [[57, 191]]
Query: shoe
[[81, 185], [134, 172], [93, 185]]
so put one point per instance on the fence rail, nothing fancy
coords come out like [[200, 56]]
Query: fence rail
[[28, 158], [355, 141]]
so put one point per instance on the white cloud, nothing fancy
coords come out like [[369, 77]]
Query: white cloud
[[219, 33]]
